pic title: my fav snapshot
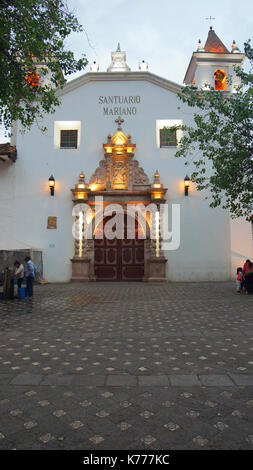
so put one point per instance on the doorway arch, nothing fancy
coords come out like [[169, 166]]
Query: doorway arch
[[118, 259], [118, 181]]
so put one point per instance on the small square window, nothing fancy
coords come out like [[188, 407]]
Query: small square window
[[69, 139], [168, 138]]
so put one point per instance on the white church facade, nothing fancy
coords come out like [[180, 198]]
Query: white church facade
[[106, 144]]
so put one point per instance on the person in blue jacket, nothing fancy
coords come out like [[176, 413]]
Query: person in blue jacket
[[29, 275]]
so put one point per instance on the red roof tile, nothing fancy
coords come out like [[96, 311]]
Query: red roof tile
[[214, 44]]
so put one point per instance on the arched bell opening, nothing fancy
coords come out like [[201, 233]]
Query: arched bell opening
[[220, 79]]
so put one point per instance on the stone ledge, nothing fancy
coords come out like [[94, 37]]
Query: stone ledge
[[241, 379], [121, 380], [126, 380], [153, 380], [27, 379], [184, 380], [216, 380]]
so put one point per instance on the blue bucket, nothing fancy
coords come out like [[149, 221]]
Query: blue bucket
[[21, 292]]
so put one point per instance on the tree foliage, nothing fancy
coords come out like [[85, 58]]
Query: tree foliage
[[222, 139], [32, 33]]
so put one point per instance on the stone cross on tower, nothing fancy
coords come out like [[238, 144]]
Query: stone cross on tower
[[210, 18], [119, 121]]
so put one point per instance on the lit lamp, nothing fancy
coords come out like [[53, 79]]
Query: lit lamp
[[186, 185], [51, 184]]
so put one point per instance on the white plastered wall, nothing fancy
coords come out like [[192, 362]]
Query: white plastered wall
[[204, 252]]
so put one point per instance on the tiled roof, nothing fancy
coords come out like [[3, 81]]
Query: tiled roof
[[214, 44], [9, 150]]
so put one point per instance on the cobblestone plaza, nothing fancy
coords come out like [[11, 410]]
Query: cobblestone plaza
[[127, 366]]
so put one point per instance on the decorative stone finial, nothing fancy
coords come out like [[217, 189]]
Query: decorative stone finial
[[94, 67], [143, 66], [157, 189], [81, 181], [118, 63], [81, 176], [200, 47], [157, 177], [235, 48], [80, 191]]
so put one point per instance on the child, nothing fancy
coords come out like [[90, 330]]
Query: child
[[239, 280], [19, 272]]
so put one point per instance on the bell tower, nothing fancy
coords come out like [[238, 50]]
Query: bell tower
[[212, 65]]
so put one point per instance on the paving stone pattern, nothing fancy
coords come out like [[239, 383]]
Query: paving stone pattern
[[127, 366]]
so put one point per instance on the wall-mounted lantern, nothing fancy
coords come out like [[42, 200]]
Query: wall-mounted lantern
[[51, 184], [186, 185]]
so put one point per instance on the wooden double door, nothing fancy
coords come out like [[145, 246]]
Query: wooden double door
[[119, 259]]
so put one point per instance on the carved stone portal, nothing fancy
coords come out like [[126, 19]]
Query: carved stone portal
[[139, 177], [119, 170], [99, 177], [118, 179]]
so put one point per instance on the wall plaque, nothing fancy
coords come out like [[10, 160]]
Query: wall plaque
[[52, 222]]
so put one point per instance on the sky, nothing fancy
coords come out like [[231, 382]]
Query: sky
[[164, 33]]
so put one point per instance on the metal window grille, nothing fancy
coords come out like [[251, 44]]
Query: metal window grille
[[168, 138], [69, 139]]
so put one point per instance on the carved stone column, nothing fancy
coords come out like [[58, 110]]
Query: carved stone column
[[91, 255], [157, 270], [156, 262], [80, 269], [80, 260]]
